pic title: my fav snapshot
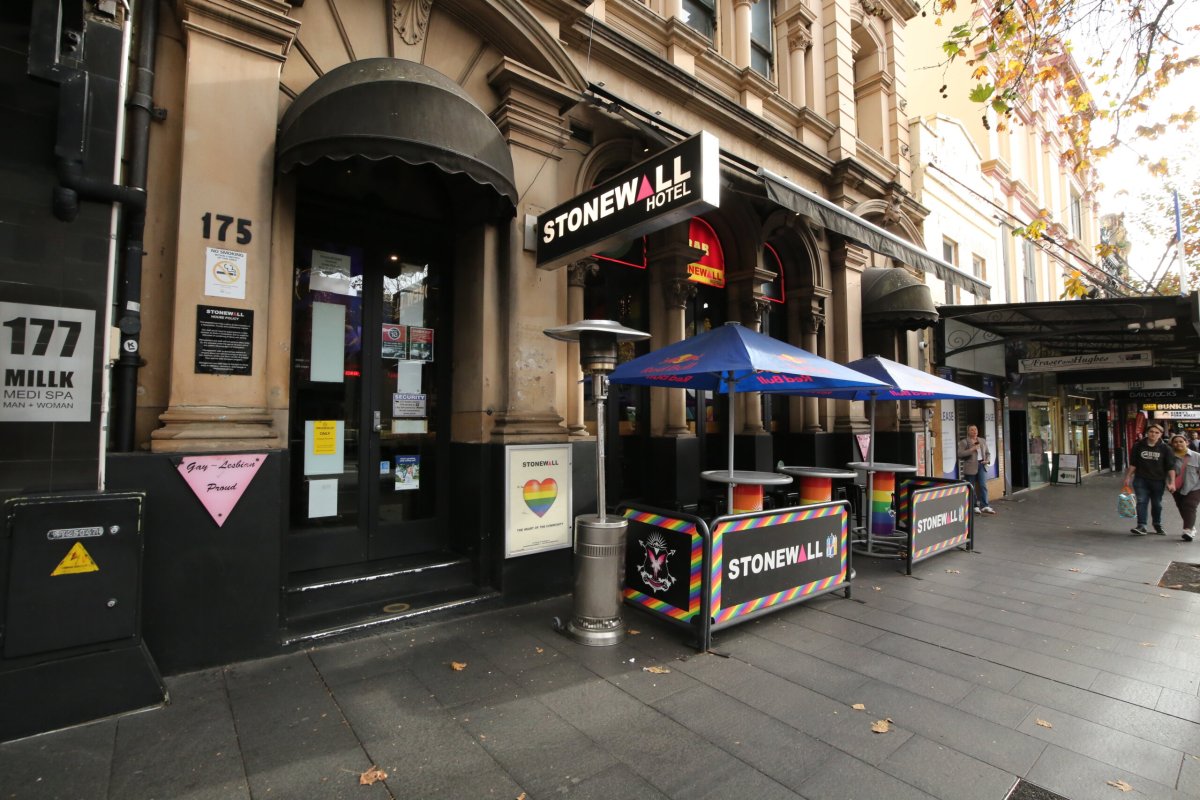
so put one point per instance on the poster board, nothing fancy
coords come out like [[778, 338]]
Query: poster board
[[1066, 469], [537, 498]]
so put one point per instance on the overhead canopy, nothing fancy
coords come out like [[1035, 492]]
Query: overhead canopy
[[895, 298], [1167, 326], [855, 228], [379, 108]]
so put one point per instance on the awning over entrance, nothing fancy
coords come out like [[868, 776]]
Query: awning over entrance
[[381, 108], [1169, 327], [895, 298], [853, 227]]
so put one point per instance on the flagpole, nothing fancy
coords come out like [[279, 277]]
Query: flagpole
[[1183, 287]]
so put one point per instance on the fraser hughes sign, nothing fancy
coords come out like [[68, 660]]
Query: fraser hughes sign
[[669, 187], [1129, 358]]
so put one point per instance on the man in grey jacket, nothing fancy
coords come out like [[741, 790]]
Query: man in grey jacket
[[974, 456]]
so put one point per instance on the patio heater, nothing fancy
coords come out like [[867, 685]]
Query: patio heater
[[599, 541]]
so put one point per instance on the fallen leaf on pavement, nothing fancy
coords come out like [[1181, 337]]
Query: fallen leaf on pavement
[[859, 707], [877, 588], [953, 571], [1073, 569], [1160, 594], [371, 776], [1175, 586], [1120, 784], [881, 725], [540, 650], [1081, 554], [1043, 723], [458, 666], [1147, 644], [521, 796], [657, 670], [633, 631]]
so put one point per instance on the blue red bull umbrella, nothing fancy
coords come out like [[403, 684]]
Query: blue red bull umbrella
[[733, 358]]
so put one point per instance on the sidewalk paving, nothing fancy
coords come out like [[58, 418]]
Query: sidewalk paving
[[1050, 654]]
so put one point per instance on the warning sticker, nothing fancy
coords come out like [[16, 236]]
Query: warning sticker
[[76, 560]]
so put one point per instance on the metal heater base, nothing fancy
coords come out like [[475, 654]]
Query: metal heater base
[[599, 561]]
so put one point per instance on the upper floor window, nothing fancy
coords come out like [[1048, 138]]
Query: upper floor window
[[1030, 254], [950, 251], [1076, 216], [978, 267], [761, 17], [701, 15]]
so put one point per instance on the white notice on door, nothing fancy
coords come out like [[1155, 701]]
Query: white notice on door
[[46, 355]]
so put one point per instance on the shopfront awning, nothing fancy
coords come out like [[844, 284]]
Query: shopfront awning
[[1168, 327], [380, 108], [840, 221], [894, 298]]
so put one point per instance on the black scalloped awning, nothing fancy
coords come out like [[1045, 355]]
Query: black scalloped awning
[[895, 298], [380, 108]]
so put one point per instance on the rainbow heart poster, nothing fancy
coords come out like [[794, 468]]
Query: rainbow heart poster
[[540, 495], [537, 505]]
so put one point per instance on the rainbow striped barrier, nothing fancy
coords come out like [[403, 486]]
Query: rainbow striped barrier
[[938, 517], [749, 565]]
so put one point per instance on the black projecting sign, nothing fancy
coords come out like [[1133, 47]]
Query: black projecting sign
[[760, 562], [224, 340], [669, 187]]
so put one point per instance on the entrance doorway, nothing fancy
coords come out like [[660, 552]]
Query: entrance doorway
[[370, 383]]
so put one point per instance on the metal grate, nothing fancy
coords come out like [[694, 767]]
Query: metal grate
[[1024, 790]]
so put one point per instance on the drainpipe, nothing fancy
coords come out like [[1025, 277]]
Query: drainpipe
[[141, 113]]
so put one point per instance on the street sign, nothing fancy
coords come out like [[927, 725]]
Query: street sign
[[1082, 361]]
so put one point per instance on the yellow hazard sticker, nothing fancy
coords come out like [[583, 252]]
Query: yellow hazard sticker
[[76, 560]]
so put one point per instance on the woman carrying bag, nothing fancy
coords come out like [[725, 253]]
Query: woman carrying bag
[[1186, 490]]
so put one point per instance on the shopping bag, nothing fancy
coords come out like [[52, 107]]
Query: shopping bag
[[1127, 503]]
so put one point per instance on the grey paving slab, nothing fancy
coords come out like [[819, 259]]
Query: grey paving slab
[[944, 772], [1081, 778], [618, 782], [831, 721], [1102, 743], [796, 667], [779, 751], [63, 765], [1130, 690], [540, 751], [998, 745], [847, 778], [424, 748], [837, 627], [189, 749], [1002, 709], [479, 678], [293, 738], [1144, 723], [948, 661], [1179, 704], [345, 662], [1189, 775]]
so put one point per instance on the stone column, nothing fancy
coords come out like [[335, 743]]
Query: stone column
[[848, 262], [799, 41], [577, 275], [668, 267], [741, 32], [812, 320], [752, 416], [838, 90], [227, 166]]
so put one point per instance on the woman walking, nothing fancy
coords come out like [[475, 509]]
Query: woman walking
[[1186, 490]]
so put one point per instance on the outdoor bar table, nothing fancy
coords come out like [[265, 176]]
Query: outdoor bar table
[[747, 486], [816, 483], [883, 487]]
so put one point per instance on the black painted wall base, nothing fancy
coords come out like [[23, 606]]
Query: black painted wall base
[[210, 594], [53, 694], [673, 481], [754, 453]]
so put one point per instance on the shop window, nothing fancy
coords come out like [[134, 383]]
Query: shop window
[[761, 17], [701, 15]]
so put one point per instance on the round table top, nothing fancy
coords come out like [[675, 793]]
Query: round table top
[[745, 477], [818, 472], [881, 466]]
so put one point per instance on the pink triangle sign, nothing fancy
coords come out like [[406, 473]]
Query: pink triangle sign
[[644, 190], [219, 481], [864, 444]]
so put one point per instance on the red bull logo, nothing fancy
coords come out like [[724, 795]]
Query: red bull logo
[[673, 364], [793, 359], [768, 380], [683, 359]]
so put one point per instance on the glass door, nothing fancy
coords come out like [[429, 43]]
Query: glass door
[[369, 388]]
